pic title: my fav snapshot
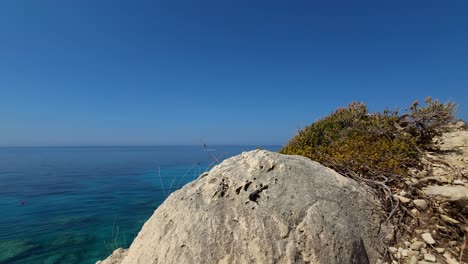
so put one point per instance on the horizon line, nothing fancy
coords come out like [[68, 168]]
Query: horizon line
[[168, 145]]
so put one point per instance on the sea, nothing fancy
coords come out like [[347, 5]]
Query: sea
[[78, 204]]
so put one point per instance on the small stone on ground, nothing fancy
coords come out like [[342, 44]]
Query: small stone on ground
[[428, 238]]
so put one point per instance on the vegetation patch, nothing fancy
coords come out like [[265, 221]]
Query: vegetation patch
[[372, 144], [383, 150]]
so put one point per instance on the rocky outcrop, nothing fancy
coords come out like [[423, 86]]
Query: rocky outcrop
[[262, 207], [438, 227]]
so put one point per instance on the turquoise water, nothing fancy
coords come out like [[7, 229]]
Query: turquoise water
[[77, 204]]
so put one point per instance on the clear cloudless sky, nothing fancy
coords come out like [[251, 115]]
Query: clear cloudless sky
[[225, 72]]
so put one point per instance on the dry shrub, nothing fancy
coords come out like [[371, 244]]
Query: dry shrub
[[371, 144]]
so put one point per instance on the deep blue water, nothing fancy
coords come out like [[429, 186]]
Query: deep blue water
[[77, 204]]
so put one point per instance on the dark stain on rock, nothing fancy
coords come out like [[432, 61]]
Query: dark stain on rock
[[246, 186], [255, 195], [272, 168], [223, 188]]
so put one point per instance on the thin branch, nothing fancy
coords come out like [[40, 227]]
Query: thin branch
[[463, 248], [116, 236]]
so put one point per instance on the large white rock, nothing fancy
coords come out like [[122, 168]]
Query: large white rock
[[262, 207], [455, 194]]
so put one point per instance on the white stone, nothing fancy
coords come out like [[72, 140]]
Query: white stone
[[458, 182], [455, 194], [392, 250], [428, 238], [430, 257], [440, 250], [449, 259], [263, 207], [460, 124], [417, 245], [420, 203], [403, 199]]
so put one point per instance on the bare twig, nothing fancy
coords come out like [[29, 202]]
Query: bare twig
[[463, 248], [116, 236], [180, 180], [214, 162], [173, 180], [160, 179]]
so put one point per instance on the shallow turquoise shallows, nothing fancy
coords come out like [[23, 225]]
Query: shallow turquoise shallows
[[76, 204]]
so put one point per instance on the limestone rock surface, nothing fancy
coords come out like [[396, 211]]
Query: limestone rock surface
[[455, 194], [262, 207]]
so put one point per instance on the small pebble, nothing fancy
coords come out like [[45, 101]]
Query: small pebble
[[428, 238], [449, 259], [440, 250], [458, 182], [429, 257], [413, 260], [420, 203], [403, 199], [398, 255], [417, 245]]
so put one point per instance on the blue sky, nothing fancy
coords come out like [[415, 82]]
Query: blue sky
[[228, 72]]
